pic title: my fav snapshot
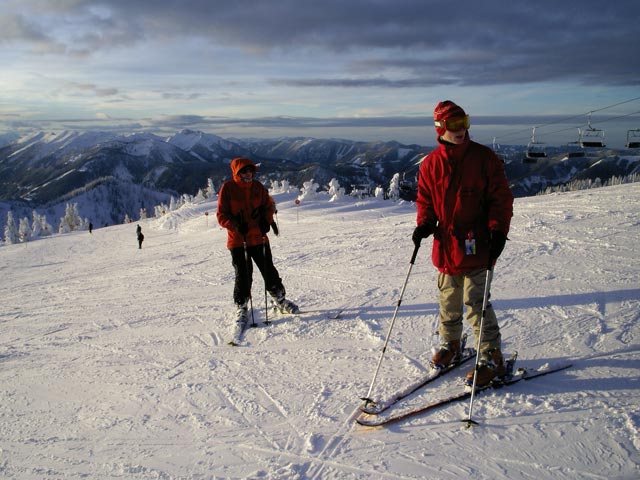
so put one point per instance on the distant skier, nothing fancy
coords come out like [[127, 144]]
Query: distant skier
[[246, 210], [140, 236], [464, 201], [90, 227]]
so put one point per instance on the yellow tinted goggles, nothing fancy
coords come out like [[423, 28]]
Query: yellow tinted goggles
[[454, 124]]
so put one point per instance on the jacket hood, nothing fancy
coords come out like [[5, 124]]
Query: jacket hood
[[239, 163]]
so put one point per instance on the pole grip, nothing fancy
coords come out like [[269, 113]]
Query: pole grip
[[415, 254]]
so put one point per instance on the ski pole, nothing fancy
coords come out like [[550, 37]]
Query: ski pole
[[266, 304], [246, 264], [485, 303], [367, 399]]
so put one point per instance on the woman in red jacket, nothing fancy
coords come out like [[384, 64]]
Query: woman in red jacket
[[246, 210], [464, 200]]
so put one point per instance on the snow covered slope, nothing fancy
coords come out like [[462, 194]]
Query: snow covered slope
[[114, 362]]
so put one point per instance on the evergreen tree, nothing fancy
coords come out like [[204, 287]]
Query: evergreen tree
[[36, 226], [282, 187], [309, 190], [71, 220], [210, 191], [335, 190], [200, 197], [10, 231], [394, 187], [24, 231], [45, 227]]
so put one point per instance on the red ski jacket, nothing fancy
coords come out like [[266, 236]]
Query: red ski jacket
[[463, 193], [248, 203]]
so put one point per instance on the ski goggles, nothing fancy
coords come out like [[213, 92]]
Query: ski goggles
[[453, 124]]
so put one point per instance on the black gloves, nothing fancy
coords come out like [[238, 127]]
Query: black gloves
[[264, 226], [497, 241], [421, 231], [274, 227], [243, 227]]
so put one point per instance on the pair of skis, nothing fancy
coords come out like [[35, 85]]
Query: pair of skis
[[371, 418]]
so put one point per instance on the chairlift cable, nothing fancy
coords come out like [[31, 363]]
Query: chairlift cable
[[564, 120]]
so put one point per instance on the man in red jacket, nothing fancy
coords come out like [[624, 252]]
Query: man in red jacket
[[465, 202], [246, 210]]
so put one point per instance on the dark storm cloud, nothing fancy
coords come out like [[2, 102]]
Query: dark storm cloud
[[433, 43]]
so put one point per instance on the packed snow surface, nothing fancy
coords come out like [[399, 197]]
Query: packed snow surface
[[114, 360]]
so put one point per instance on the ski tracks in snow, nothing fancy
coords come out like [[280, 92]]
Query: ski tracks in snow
[[285, 451]]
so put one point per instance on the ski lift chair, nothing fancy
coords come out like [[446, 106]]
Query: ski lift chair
[[633, 138], [574, 149], [535, 150], [591, 137]]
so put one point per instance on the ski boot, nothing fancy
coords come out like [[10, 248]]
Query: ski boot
[[447, 354], [242, 314], [490, 366], [282, 305]]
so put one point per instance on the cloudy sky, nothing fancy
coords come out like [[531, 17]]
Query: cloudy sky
[[358, 69]]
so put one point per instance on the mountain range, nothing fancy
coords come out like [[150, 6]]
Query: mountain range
[[127, 172]]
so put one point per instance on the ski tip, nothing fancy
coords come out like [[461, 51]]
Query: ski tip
[[373, 410], [364, 423], [368, 406]]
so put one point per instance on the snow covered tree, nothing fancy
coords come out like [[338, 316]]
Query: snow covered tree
[[161, 210], [36, 225], [43, 227], [394, 187], [210, 191], [282, 187], [309, 190], [24, 230], [143, 213], [127, 219], [379, 192], [335, 190], [10, 230], [200, 197], [71, 220]]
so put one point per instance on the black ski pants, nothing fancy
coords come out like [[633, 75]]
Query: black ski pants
[[243, 266]]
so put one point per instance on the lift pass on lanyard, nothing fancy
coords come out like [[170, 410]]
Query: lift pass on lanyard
[[470, 244]]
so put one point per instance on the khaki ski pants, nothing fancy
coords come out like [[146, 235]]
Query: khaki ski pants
[[467, 289]]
